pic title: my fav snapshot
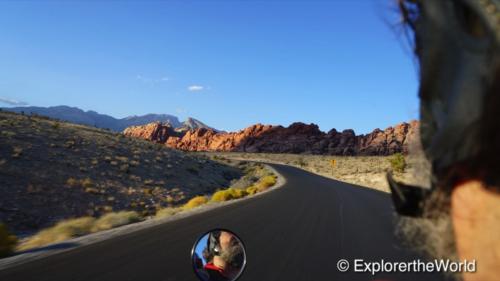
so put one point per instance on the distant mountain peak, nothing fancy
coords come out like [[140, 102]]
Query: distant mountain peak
[[93, 118], [194, 124]]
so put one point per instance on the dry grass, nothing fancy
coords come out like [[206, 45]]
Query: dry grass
[[235, 193], [195, 202], [228, 194], [251, 190], [71, 228], [112, 220], [266, 182], [63, 230], [167, 212]]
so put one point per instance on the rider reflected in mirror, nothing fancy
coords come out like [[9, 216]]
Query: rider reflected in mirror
[[219, 256]]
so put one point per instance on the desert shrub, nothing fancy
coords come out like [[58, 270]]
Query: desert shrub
[[266, 182], [125, 168], [7, 241], [221, 195], [123, 159], [167, 212], [238, 192], [61, 231], [112, 220], [251, 190], [195, 202], [301, 162], [92, 190], [72, 182], [228, 194], [87, 183], [397, 162], [17, 152]]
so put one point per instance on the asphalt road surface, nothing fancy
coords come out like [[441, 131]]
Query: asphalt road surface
[[296, 232]]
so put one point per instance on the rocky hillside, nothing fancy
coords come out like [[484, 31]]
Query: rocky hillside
[[103, 121], [52, 170], [297, 138]]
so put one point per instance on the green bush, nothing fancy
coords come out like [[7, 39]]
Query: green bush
[[398, 163], [7, 241]]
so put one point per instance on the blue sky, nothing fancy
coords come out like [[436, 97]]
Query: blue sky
[[200, 246], [338, 64]]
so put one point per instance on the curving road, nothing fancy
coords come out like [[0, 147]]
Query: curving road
[[296, 232]]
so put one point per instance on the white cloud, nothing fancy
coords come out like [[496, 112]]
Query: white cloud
[[152, 81], [12, 102], [195, 88]]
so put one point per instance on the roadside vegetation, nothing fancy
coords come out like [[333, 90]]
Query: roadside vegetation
[[257, 178], [53, 170], [398, 162], [72, 228], [367, 171]]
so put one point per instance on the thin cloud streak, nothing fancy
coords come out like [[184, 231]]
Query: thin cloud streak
[[12, 101], [195, 88]]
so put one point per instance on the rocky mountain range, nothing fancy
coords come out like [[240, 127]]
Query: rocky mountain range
[[92, 118], [296, 138]]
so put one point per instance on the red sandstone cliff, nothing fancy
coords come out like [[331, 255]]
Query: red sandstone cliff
[[297, 138]]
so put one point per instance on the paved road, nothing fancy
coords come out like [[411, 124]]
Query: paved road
[[296, 232]]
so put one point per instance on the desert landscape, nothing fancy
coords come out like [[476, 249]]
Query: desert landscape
[[140, 140], [62, 176], [85, 179], [365, 171], [359, 159]]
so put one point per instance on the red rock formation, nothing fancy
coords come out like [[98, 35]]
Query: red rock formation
[[156, 131], [297, 138], [391, 140]]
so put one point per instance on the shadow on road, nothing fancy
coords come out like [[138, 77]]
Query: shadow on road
[[58, 246]]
